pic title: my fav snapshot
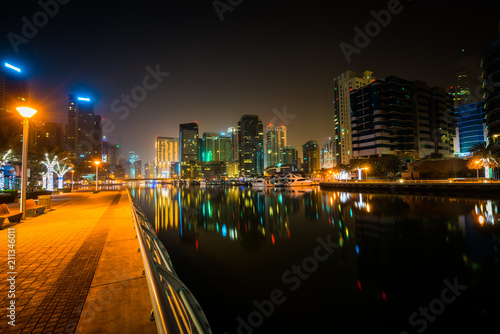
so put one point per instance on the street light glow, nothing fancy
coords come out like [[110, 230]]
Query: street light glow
[[26, 111], [84, 99], [17, 69]]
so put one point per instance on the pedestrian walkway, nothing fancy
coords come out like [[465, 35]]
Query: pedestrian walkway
[[77, 269]]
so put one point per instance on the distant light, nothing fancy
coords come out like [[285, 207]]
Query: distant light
[[222, 133], [13, 67], [84, 99]]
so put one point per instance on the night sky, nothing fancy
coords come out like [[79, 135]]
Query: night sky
[[264, 56]]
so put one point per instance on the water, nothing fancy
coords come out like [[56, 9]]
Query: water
[[317, 261]]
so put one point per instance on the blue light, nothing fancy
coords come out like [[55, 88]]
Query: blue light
[[13, 67], [222, 133], [224, 230], [357, 249], [84, 99]]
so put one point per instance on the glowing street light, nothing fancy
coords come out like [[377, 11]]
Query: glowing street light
[[72, 174], [26, 113], [97, 162], [477, 168]]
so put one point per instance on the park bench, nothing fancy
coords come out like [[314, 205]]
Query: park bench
[[6, 214], [32, 208]]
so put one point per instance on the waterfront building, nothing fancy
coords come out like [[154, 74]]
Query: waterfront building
[[490, 62], [251, 145], [223, 150], [395, 116], [461, 91], [84, 133], [167, 153], [470, 128], [275, 140], [188, 144], [310, 152], [343, 85], [13, 92], [290, 157], [327, 154], [232, 132], [207, 146]]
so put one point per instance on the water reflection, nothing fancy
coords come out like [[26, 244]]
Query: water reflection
[[387, 243]]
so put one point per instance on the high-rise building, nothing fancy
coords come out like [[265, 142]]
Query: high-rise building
[[470, 129], [167, 155], [310, 152], [327, 155], [223, 150], [251, 145], [110, 153], [149, 170], [134, 172], [275, 140], [207, 146], [395, 116], [289, 156], [188, 143], [491, 74], [461, 90], [232, 132], [343, 85], [84, 132], [13, 93]]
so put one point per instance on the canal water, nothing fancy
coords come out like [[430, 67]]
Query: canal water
[[321, 261]]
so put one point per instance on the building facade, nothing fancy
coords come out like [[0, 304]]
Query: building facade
[[251, 145], [490, 62], [13, 93], [470, 129], [311, 155], [395, 116], [327, 154], [167, 154], [84, 132], [275, 141], [188, 144], [343, 85]]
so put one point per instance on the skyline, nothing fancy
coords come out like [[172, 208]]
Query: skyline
[[261, 59]]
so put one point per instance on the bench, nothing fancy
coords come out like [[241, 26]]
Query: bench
[[32, 208], [6, 214]]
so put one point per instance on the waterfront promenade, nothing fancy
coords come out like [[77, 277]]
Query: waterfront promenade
[[77, 269]]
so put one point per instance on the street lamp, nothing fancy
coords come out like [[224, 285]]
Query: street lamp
[[477, 168], [72, 173], [26, 112], [366, 173], [97, 162]]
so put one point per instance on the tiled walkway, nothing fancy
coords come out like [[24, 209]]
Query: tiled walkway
[[57, 256]]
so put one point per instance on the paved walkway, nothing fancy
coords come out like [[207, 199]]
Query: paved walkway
[[77, 269]]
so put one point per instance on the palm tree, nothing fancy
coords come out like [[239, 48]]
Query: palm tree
[[484, 156]]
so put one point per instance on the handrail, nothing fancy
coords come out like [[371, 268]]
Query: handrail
[[175, 308]]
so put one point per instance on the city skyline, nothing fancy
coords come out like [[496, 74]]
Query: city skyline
[[275, 60]]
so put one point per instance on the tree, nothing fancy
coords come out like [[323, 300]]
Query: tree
[[484, 156]]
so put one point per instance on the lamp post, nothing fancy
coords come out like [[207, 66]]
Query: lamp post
[[477, 168], [97, 162], [26, 112], [366, 173], [72, 173]]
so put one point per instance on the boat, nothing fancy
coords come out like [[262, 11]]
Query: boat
[[262, 183], [298, 181]]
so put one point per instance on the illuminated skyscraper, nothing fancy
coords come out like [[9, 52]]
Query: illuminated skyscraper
[[343, 85], [275, 140], [188, 143], [13, 92], [310, 151], [327, 156], [491, 74], [251, 145], [167, 155], [84, 132]]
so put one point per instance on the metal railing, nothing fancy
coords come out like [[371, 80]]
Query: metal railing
[[175, 309]]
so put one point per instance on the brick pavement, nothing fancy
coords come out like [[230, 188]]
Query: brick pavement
[[57, 255]]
